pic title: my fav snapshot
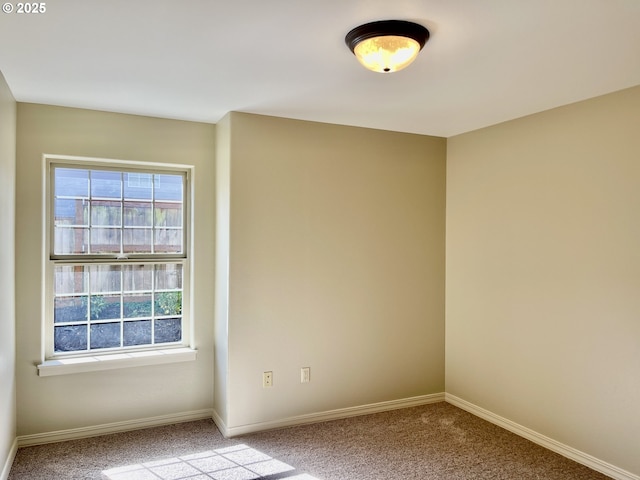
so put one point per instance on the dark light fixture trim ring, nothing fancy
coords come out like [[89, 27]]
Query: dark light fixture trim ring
[[400, 28]]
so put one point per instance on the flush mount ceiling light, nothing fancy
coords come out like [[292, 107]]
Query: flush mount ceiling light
[[388, 45]]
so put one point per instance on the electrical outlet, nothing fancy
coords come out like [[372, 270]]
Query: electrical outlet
[[305, 375], [267, 379]]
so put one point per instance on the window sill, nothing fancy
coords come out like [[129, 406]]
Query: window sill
[[95, 363]]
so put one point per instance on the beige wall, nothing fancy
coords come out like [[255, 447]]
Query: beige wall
[[543, 274], [336, 263], [47, 404], [7, 254]]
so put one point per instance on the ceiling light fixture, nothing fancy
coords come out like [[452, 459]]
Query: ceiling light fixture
[[388, 45]]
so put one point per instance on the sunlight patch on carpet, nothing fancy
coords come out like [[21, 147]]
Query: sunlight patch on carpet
[[239, 462]]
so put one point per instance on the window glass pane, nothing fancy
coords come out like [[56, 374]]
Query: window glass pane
[[137, 333], [106, 184], [138, 186], [169, 276], [71, 211], [70, 309], [105, 240], [168, 241], [104, 307], [105, 335], [71, 241], [137, 305], [71, 182], [105, 278], [168, 330], [168, 187], [138, 277], [69, 279], [137, 240], [168, 303], [137, 214], [168, 215], [70, 338], [106, 213]]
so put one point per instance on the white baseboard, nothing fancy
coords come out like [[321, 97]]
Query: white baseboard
[[4, 474], [222, 426], [116, 427], [329, 415], [553, 445]]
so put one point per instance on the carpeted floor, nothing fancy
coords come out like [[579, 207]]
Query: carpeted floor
[[429, 442]]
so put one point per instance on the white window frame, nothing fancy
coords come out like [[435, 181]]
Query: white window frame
[[58, 363]]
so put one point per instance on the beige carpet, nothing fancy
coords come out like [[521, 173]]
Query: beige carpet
[[437, 441]]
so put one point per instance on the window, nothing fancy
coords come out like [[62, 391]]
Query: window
[[117, 269]]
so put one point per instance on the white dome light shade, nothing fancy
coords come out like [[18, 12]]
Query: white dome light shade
[[387, 46], [387, 54]]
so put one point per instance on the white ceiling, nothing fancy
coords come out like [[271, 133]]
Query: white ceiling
[[487, 60]]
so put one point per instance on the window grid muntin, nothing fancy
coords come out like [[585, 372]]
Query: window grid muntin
[[156, 178], [88, 322]]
